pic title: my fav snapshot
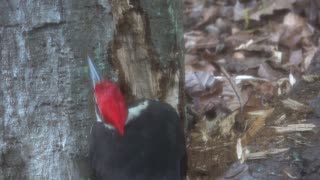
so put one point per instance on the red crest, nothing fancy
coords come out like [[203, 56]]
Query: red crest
[[111, 104]]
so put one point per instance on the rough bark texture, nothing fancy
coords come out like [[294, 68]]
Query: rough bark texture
[[46, 108]]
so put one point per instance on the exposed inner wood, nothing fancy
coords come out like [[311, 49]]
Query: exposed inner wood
[[141, 74]]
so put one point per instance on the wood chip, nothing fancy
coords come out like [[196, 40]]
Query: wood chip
[[311, 78], [265, 154], [294, 128], [295, 105], [254, 128]]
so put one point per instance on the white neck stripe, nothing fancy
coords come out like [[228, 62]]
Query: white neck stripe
[[135, 111]]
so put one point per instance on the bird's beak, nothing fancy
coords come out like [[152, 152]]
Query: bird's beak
[[95, 77]]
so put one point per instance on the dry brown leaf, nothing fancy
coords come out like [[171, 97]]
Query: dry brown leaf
[[267, 72], [199, 82], [193, 10], [291, 36], [195, 40], [193, 64], [209, 14], [230, 98], [208, 101], [276, 31], [203, 86], [242, 65], [296, 28], [296, 57], [309, 54], [265, 48], [292, 19], [295, 21], [267, 89], [239, 38], [266, 7], [254, 101], [191, 38], [269, 6], [190, 59]]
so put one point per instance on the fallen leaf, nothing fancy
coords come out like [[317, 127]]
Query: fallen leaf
[[209, 14], [309, 55], [293, 20], [296, 29], [296, 57], [267, 72], [198, 82], [266, 7]]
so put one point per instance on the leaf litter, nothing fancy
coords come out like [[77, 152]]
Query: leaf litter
[[252, 85]]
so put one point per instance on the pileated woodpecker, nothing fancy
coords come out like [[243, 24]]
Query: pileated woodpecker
[[142, 142]]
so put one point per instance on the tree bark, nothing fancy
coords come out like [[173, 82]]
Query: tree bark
[[46, 107]]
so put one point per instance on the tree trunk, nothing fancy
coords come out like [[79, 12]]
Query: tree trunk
[[46, 107]]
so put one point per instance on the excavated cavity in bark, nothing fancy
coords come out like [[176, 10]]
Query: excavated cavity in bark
[[141, 73]]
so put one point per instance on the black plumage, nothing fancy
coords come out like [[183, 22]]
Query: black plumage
[[152, 148]]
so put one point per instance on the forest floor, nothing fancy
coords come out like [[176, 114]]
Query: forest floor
[[253, 89]]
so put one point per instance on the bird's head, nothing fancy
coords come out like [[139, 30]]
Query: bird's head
[[110, 104]]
